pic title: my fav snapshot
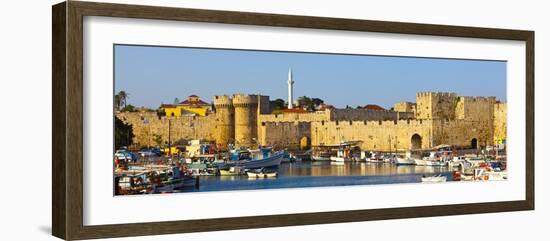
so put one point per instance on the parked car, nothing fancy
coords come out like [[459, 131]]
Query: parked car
[[126, 155], [146, 152]]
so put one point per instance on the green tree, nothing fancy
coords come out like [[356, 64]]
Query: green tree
[[305, 102], [277, 104], [317, 102], [123, 98], [123, 134], [308, 103], [129, 108], [117, 102]]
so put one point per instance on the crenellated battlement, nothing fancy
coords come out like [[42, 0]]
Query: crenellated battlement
[[479, 98], [435, 94], [223, 101], [241, 100]]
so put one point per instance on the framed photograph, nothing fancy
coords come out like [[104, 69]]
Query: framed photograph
[[171, 120]]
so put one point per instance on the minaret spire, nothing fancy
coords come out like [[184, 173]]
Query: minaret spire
[[290, 83]]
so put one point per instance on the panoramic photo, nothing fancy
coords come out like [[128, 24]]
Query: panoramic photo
[[200, 119]]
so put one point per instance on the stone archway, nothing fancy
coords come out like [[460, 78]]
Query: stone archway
[[416, 141], [473, 143]]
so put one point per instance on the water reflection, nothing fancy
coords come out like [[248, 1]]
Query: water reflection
[[320, 174], [352, 169]]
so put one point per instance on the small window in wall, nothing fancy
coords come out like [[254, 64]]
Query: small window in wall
[[172, 114]]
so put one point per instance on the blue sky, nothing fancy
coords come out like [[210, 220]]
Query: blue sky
[[155, 75]]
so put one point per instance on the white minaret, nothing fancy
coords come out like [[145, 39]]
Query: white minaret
[[290, 83]]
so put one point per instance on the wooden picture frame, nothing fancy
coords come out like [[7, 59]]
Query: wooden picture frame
[[67, 123]]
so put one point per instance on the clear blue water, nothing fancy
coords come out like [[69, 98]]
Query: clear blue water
[[322, 174]]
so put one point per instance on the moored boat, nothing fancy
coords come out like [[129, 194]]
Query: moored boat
[[434, 179], [232, 171], [404, 160], [261, 174], [254, 159]]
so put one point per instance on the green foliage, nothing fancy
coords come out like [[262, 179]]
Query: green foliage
[[120, 99], [277, 104], [123, 133], [308, 103], [129, 108]]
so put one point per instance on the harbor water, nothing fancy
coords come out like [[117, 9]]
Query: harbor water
[[322, 174]]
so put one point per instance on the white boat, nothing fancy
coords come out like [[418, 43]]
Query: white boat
[[342, 155], [429, 162], [233, 171], [320, 158], [338, 159], [263, 157], [402, 161], [261, 174], [375, 158], [489, 175], [434, 179]]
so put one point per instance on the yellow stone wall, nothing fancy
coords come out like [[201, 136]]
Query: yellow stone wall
[[441, 118], [405, 107], [376, 135], [280, 134], [246, 123], [225, 121], [435, 105], [146, 124], [499, 122]]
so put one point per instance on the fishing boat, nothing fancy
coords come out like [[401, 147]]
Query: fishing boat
[[429, 162], [232, 171], [254, 159], [171, 180], [175, 184], [261, 173], [434, 179], [404, 160], [375, 158], [323, 156]]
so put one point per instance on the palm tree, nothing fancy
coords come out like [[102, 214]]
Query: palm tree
[[123, 96], [117, 102]]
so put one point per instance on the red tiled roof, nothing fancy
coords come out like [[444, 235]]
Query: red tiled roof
[[373, 107], [193, 96], [167, 106], [198, 102]]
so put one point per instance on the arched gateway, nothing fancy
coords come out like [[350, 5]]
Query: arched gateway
[[416, 141]]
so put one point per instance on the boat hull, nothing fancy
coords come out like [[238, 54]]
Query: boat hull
[[404, 162], [261, 175], [434, 179], [272, 161]]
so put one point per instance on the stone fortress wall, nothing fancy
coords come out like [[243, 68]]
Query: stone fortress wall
[[246, 120], [146, 125]]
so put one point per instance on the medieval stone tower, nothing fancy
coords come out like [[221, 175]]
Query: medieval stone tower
[[225, 120], [435, 105], [246, 119]]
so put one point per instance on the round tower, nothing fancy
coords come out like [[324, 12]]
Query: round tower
[[225, 121], [246, 116]]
